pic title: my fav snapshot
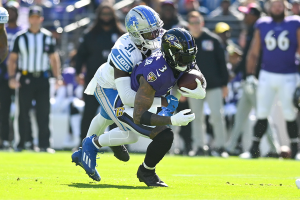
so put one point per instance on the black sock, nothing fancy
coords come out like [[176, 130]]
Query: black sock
[[292, 129], [259, 129], [158, 148]]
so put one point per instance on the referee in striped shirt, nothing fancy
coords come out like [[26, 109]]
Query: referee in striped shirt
[[33, 49]]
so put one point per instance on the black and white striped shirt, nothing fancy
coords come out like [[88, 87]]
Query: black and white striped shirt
[[33, 50]]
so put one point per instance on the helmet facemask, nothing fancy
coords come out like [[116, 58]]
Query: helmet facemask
[[148, 39]]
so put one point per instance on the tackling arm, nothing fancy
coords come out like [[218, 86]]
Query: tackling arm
[[253, 55]]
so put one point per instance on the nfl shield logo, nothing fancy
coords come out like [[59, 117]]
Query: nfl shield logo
[[151, 77]]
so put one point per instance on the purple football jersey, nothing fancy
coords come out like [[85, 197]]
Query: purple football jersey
[[157, 73], [279, 44]]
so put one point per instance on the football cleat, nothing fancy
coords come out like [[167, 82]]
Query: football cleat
[[88, 159], [150, 178], [120, 152], [76, 157]]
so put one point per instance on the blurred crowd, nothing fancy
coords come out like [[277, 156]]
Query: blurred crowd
[[223, 30]]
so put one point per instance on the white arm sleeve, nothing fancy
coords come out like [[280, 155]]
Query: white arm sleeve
[[175, 93], [127, 95]]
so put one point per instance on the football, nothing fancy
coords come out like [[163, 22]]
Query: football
[[187, 80]]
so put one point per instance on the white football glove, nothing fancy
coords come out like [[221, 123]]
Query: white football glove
[[180, 119], [251, 82], [198, 93], [3, 15]]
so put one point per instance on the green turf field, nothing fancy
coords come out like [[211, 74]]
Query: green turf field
[[53, 176]]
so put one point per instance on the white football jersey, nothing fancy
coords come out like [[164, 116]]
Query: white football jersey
[[125, 56]]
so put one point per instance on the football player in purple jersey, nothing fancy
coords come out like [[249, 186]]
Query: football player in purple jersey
[[278, 37], [154, 77]]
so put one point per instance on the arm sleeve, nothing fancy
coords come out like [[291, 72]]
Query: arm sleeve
[[15, 44], [222, 63], [127, 95], [82, 55]]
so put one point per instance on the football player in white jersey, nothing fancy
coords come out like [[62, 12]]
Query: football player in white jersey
[[113, 77], [145, 31]]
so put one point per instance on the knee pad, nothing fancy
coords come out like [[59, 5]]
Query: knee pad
[[260, 127], [166, 135], [131, 137]]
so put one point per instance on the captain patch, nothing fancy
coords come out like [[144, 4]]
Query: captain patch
[[207, 45], [151, 77]]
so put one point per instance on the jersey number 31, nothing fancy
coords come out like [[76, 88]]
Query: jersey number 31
[[282, 41]]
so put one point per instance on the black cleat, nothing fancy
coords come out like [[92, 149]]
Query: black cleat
[[120, 152], [150, 178]]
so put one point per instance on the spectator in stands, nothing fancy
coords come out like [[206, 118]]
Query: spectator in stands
[[295, 7], [93, 51], [225, 11], [187, 6], [170, 16], [211, 61]]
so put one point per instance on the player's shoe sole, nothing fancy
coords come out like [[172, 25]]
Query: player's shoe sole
[[120, 152], [150, 179]]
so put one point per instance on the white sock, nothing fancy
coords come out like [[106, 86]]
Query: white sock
[[98, 125], [150, 168], [95, 144], [116, 137]]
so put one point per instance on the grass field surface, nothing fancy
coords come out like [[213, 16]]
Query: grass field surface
[[39, 176]]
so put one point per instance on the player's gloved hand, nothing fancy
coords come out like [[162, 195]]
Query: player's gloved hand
[[172, 103], [198, 93], [251, 83], [165, 112], [3, 15], [182, 118]]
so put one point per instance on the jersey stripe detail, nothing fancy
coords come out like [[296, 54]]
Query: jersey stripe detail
[[126, 57], [117, 63], [125, 64]]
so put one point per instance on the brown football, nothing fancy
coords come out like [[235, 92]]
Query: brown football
[[187, 80]]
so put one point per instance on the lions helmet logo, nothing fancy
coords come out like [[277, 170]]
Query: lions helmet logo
[[173, 41], [133, 21]]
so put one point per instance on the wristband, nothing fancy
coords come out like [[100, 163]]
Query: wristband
[[146, 118], [11, 77]]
